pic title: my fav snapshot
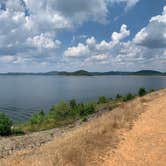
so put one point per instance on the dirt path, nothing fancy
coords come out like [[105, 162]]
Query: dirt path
[[145, 144]]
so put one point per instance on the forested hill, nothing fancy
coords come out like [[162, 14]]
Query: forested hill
[[87, 73]]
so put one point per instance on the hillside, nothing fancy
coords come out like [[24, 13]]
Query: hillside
[[87, 73], [132, 134], [148, 72]]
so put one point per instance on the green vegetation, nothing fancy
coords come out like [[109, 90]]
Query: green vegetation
[[142, 92], [73, 103], [60, 114], [102, 99], [151, 90], [17, 131], [118, 96], [5, 125], [64, 113], [128, 97], [37, 118]]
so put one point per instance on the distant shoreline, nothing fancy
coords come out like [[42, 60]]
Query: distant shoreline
[[87, 73]]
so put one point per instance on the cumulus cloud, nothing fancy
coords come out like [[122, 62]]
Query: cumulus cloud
[[154, 34], [25, 25], [91, 41], [129, 55], [122, 34], [78, 51], [43, 41], [29, 36], [92, 47]]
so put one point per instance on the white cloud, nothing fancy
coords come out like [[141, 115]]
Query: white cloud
[[91, 41], [154, 34], [78, 51], [121, 55], [27, 23], [43, 41], [100, 58], [121, 35], [7, 58], [30, 30], [91, 45], [104, 45]]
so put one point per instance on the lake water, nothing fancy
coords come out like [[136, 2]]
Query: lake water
[[21, 96]]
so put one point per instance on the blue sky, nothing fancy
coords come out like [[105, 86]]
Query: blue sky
[[95, 35]]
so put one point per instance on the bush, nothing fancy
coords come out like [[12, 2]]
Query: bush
[[37, 118], [5, 125], [102, 99], [118, 96], [17, 131], [142, 92], [59, 111], [73, 103], [128, 97], [84, 119], [86, 109], [151, 90]]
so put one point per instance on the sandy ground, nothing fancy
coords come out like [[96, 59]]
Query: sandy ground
[[145, 144]]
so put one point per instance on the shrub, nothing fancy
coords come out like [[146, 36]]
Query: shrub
[[73, 103], [17, 131], [59, 111], [102, 99], [118, 96], [128, 97], [151, 90], [84, 119], [5, 125], [86, 109], [142, 92], [37, 118]]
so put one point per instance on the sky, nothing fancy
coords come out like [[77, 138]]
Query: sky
[[94, 35]]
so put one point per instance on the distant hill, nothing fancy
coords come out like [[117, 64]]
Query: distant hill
[[148, 72], [86, 73], [77, 73], [83, 72]]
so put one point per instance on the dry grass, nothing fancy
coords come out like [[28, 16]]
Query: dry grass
[[85, 144]]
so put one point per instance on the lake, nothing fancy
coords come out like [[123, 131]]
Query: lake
[[21, 96]]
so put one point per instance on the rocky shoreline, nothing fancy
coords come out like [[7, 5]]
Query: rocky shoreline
[[12, 144], [9, 145]]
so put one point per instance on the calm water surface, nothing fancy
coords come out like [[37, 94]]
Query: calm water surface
[[21, 96]]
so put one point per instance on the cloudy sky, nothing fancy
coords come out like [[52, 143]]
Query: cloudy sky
[[95, 35]]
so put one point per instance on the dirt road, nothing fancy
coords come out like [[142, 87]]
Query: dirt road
[[145, 144]]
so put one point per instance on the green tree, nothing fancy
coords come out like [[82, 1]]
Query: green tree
[[118, 96], [37, 118], [5, 125], [142, 92], [73, 103], [128, 97], [102, 99], [59, 111], [86, 109]]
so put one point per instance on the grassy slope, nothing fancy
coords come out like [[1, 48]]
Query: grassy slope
[[85, 145]]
